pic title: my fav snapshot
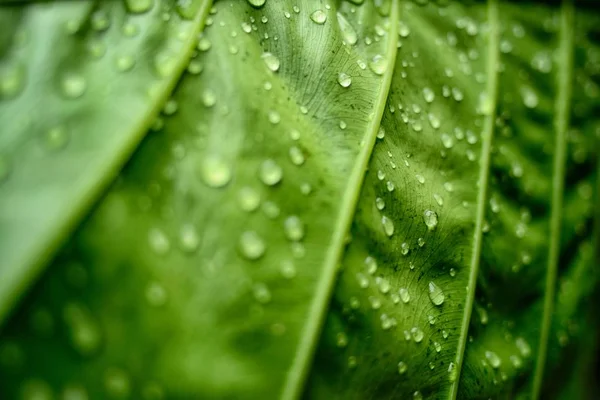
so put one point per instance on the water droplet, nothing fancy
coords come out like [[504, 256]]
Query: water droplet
[[188, 238], [420, 178], [493, 359], [384, 285], [215, 172], [261, 292], [452, 272], [271, 61], [318, 17], [363, 281], [438, 199], [371, 265], [54, 139], [352, 362], [404, 248], [402, 367], [375, 302], [516, 361], [294, 228], [421, 242], [437, 346], [251, 245], [248, 199], [204, 44], [270, 172], [381, 133], [84, 333], [344, 79], [417, 334], [457, 94], [35, 389], [379, 203], [404, 295], [390, 186], [452, 372], [156, 295], [288, 270], [257, 3], [444, 334], [431, 219], [530, 98], [296, 155], [378, 64], [523, 347], [274, 117], [159, 242], [341, 340], [125, 63], [73, 85], [139, 6], [428, 95], [388, 225], [117, 384], [436, 295], [447, 140], [209, 98], [348, 33], [417, 395]]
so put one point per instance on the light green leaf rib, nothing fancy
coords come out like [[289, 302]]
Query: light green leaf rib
[[80, 84], [561, 124]]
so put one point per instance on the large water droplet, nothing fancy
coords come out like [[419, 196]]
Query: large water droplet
[[215, 172], [378, 64], [388, 225], [251, 245], [436, 295], [344, 79], [318, 17], [270, 172], [257, 3], [431, 219], [248, 199], [271, 61]]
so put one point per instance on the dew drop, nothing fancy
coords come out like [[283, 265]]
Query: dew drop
[[159, 242], [452, 372], [139, 6], [73, 85], [530, 98], [204, 44], [54, 139], [270, 173], [388, 225], [215, 172], [271, 61], [248, 199], [436, 295], [84, 333], [431, 219], [417, 395], [404, 295], [252, 245], [188, 238], [125, 63], [261, 292], [417, 334], [428, 95], [344, 79], [274, 117], [296, 155], [341, 340], [493, 359], [294, 228], [390, 186], [404, 249], [370, 265], [379, 203], [156, 295], [209, 98], [257, 3], [402, 367], [437, 346], [378, 64], [318, 17], [523, 347]]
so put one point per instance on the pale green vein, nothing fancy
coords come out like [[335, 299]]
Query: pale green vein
[[484, 166], [561, 124], [300, 366]]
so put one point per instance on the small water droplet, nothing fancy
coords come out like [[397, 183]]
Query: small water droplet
[[139, 6], [215, 172], [388, 225], [252, 245], [452, 372], [257, 3], [402, 367], [261, 292], [344, 79], [204, 44], [274, 117], [341, 340], [159, 242], [288, 270], [318, 17], [378, 64], [523, 347], [436, 295], [431, 219], [404, 249], [271, 61], [437, 346], [404, 295], [294, 228], [390, 186], [493, 359], [270, 172], [156, 295], [428, 94], [530, 98], [73, 85], [248, 199], [209, 98], [84, 332], [370, 265], [379, 203], [296, 155], [417, 334]]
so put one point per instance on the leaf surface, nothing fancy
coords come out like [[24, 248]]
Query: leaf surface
[[79, 84]]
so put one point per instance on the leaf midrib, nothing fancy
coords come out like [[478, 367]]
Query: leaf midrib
[[298, 371], [561, 124], [484, 167]]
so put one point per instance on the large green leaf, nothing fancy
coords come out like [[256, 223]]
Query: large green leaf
[[463, 263], [79, 85]]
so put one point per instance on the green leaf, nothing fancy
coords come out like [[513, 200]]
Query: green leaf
[[420, 177], [79, 84]]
